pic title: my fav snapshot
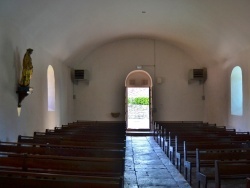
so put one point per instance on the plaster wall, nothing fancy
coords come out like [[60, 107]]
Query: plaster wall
[[173, 98], [217, 96], [241, 123], [218, 92], [34, 113]]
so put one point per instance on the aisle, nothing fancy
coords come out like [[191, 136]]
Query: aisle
[[147, 166]]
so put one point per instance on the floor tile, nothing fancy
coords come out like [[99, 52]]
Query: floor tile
[[147, 166]]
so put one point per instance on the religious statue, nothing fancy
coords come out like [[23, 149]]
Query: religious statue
[[27, 69]]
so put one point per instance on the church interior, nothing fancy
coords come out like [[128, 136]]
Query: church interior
[[192, 55]]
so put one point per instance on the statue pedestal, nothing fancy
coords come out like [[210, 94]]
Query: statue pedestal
[[22, 92]]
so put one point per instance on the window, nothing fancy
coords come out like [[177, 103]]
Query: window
[[236, 92], [51, 88]]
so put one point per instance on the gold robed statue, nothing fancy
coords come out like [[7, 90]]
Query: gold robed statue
[[27, 69]]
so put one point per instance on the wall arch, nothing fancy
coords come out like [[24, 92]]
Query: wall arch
[[138, 78], [138, 83]]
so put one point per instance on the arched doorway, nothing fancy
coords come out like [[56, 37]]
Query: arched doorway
[[138, 101]]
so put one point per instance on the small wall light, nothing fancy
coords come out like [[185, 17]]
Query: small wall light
[[139, 67], [159, 80], [115, 114]]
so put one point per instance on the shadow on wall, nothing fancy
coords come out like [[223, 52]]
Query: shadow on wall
[[11, 66], [17, 64]]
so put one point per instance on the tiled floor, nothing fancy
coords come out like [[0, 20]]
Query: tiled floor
[[147, 166]]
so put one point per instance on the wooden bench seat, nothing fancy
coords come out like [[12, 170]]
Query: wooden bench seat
[[160, 127], [80, 137], [191, 128], [222, 138], [248, 182], [100, 128], [100, 122], [116, 130], [13, 179], [173, 149], [100, 125], [165, 128], [81, 134], [169, 136], [178, 147], [80, 154], [113, 167], [205, 160], [189, 153], [11, 147], [85, 129], [231, 170], [58, 141]]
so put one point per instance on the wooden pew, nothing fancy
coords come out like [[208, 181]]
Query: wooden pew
[[90, 129], [85, 129], [169, 134], [13, 179], [80, 137], [11, 147], [227, 135], [103, 128], [109, 167], [100, 125], [158, 128], [189, 150], [81, 131], [100, 122], [176, 151], [231, 170], [248, 182], [161, 128], [102, 161], [205, 160], [202, 137], [58, 141]]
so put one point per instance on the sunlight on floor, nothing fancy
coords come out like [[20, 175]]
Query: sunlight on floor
[[138, 123]]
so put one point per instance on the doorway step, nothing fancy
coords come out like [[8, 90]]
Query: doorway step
[[139, 132]]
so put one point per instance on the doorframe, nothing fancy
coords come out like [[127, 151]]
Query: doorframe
[[140, 78]]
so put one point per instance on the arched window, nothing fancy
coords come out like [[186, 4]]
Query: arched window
[[51, 88], [236, 92]]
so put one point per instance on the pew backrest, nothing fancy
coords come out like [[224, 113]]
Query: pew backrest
[[231, 170]]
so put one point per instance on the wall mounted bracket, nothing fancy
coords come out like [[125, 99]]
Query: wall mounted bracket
[[22, 92]]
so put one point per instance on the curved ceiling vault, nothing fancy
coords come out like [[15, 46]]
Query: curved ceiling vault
[[210, 31]]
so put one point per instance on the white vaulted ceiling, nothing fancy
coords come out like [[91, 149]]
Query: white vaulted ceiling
[[209, 30]]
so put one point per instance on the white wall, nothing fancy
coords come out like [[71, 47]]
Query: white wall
[[216, 89], [242, 59], [174, 98], [218, 93], [34, 114]]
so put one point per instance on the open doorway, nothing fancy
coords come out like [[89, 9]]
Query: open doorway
[[138, 108], [138, 102]]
